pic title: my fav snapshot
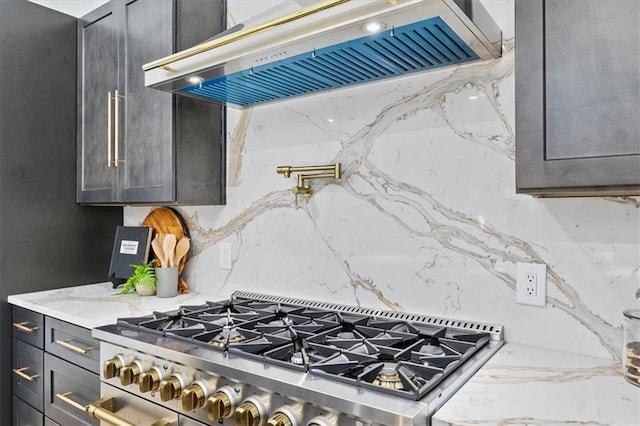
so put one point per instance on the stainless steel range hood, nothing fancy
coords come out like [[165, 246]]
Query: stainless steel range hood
[[326, 46]]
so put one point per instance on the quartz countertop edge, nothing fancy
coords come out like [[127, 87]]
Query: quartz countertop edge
[[523, 385], [93, 305]]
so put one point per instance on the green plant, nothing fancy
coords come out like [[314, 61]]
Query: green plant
[[143, 274]]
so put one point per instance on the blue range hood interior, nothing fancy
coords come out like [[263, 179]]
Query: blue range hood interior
[[419, 46]]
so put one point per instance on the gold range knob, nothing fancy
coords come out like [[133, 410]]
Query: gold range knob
[[219, 406], [193, 397], [112, 367], [279, 419], [149, 380], [129, 374], [170, 389], [247, 414]]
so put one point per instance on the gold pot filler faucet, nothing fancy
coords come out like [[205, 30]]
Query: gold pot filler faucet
[[303, 188]]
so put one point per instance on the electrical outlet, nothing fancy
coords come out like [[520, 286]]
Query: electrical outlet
[[226, 255], [531, 284]]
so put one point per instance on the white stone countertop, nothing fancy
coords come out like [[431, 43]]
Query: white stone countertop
[[520, 385], [93, 305], [523, 385]]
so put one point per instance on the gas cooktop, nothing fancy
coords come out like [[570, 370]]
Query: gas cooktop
[[256, 351]]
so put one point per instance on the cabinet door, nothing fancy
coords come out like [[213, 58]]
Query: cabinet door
[[25, 415], [97, 80], [28, 373], [147, 171], [578, 96]]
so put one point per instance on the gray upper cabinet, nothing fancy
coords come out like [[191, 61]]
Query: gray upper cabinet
[[140, 145], [577, 97]]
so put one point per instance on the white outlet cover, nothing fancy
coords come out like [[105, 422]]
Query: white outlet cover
[[540, 270]]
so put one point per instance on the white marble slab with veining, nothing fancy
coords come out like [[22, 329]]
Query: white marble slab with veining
[[523, 385], [93, 305]]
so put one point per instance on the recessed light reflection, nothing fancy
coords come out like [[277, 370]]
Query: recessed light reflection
[[195, 80], [374, 27]]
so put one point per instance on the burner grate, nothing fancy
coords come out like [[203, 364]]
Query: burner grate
[[494, 330]]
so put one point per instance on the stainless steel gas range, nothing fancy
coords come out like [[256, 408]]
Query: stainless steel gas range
[[267, 360]]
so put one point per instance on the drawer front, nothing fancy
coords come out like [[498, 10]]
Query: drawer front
[[49, 422], [72, 382], [28, 373], [72, 343], [136, 410], [28, 326], [25, 415]]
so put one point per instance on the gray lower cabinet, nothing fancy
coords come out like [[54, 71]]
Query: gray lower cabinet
[[140, 145], [67, 387], [55, 370], [577, 97], [25, 415], [28, 377]]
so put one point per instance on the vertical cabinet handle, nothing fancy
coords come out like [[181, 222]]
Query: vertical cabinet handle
[[116, 142], [22, 326], [109, 120]]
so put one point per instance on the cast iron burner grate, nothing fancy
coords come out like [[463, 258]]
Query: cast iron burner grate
[[399, 356]]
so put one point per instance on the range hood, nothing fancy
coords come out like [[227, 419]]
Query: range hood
[[328, 45]]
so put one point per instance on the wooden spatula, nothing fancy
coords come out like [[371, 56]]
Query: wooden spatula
[[182, 247]]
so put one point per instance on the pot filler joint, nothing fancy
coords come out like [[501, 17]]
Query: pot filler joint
[[331, 171]]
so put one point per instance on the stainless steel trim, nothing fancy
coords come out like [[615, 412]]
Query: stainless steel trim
[[494, 330]]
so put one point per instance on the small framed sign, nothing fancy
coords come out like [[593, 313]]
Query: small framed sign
[[131, 246]]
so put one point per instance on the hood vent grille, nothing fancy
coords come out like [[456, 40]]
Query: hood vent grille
[[411, 48]]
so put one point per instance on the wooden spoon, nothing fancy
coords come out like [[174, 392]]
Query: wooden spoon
[[158, 250], [169, 246], [182, 247]]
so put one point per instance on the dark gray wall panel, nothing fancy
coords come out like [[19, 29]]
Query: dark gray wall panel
[[46, 239]]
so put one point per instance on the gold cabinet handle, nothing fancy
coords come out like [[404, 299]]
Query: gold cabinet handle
[[103, 410], [109, 120], [20, 372], [116, 141], [22, 326], [66, 344]]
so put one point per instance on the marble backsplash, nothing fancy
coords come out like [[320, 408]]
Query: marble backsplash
[[425, 219]]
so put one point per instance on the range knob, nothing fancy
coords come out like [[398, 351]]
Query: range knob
[[111, 367], [150, 380], [222, 403], [326, 420], [250, 412], [279, 419], [195, 396], [130, 373], [285, 416], [171, 388]]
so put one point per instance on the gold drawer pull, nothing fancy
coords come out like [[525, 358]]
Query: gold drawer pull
[[22, 326], [66, 344], [20, 372], [103, 410]]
